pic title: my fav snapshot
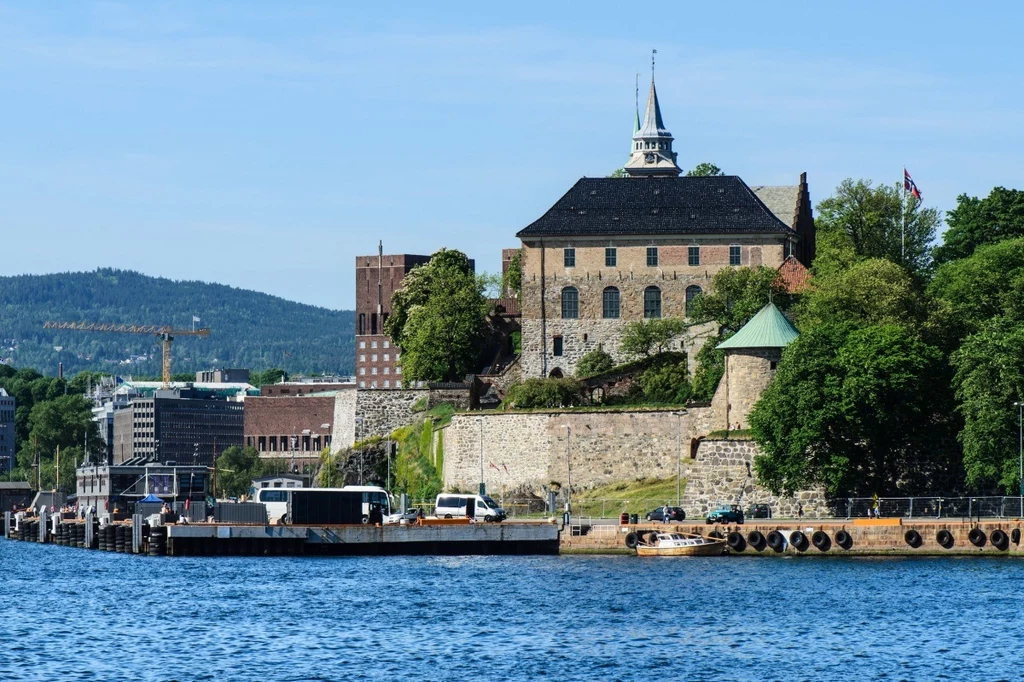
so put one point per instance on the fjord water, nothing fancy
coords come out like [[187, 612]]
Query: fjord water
[[86, 615]]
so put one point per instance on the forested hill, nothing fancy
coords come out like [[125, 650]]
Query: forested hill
[[248, 329]]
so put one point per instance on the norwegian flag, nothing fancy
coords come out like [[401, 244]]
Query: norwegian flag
[[908, 184]]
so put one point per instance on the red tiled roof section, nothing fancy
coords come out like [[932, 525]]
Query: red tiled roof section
[[795, 275]]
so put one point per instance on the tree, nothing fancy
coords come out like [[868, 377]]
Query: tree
[[873, 219], [594, 362], [975, 222], [666, 380], [989, 379], [438, 318], [737, 294], [710, 368], [618, 173], [268, 376], [644, 338], [236, 469], [703, 170], [872, 291], [857, 411], [513, 278], [534, 393], [63, 422]]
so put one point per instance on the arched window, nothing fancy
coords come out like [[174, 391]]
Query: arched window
[[570, 303], [610, 303], [692, 292], [652, 303]]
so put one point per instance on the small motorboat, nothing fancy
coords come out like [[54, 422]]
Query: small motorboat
[[658, 543]]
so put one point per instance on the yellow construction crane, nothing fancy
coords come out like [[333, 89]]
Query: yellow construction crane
[[166, 334]]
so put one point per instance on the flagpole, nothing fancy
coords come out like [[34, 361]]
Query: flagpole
[[903, 217]]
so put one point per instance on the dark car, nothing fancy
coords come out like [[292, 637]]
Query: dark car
[[759, 511], [674, 514], [727, 513]]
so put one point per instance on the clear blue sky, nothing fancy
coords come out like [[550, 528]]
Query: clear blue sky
[[264, 145]]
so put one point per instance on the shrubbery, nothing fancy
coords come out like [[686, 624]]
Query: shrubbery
[[544, 393], [593, 363]]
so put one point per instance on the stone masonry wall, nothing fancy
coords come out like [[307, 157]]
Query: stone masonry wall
[[383, 411], [722, 473], [747, 374], [604, 446], [343, 432]]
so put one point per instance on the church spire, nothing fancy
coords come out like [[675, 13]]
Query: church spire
[[652, 144]]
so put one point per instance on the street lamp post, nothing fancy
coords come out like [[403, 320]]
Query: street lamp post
[[568, 474], [483, 488], [679, 452], [1020, 451]]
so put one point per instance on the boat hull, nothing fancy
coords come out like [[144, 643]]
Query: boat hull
[[709, 549]]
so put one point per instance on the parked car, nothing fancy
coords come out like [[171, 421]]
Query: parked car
[[759, 511], [411, 515], [727, 513], [674, 514]]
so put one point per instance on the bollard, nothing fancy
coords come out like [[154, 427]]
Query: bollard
[[43, 517]]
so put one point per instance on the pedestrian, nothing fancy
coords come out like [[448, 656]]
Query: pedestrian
[[800, 510], [665, 514]]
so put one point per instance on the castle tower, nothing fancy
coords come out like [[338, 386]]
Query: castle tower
[[652, 154], [751, 356]]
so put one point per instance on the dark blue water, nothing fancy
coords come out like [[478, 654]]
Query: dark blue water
[[71, 614]]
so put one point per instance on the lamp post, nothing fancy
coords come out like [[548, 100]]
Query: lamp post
[[568, 474], [483, 488], [1020, 451], [679, 452]]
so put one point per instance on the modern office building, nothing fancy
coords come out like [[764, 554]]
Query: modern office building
[[8, 449]]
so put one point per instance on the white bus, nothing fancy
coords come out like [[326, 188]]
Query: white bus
[[276, 500]]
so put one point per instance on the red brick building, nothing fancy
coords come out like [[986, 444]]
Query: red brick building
[[289, 426]]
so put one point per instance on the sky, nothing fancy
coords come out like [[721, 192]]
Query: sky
[[265, 145]]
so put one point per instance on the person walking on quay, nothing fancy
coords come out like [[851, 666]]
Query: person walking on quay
[[664, 514], [875, 507], [800, 510]]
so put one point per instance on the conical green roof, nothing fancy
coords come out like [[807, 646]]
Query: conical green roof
[[768, 329]]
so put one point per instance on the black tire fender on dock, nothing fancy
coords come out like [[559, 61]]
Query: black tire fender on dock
[[736, 542], [776, 541], [999, 539], [716, 535], [798, 540], [944, 538], [756, 540], [631, 540], [912, 538], [977, 537], [843, 539], [821, 541], [1015, 536]]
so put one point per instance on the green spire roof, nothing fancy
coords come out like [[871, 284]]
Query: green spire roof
[[768, 329]]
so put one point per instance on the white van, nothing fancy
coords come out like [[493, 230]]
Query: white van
[[480, 507]]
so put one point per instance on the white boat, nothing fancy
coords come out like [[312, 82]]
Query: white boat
[[657, 543]]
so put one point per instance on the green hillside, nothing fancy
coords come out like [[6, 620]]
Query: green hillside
[[248, 329]]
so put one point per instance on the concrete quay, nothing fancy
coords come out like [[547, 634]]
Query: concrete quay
[[841, 537]]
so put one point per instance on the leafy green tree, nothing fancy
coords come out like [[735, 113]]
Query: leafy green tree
[[666, 381], [989, 379], [975, 222], [857, 411], [534, 393], [644, 338], [594, 362], [268, 376], [873, 219], [236, 468], [703, 170], [63, 422], [513, 277], [438, 318], [737, 294], [710, 368], [871, 291], [618, 173]]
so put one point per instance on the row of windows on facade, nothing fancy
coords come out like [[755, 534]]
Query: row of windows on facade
[[611, 256], [387, 384], [373, 322], [611, 302], [373, 344], [373, 371], [287, 443], [373, 357], [6, 415], [650, 145]]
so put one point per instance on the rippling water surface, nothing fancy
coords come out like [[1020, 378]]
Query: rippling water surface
[[84, 615]]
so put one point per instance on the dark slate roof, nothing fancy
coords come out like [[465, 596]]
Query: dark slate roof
[[653, 206]]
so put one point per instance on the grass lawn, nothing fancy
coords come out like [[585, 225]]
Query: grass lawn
[[634, 497]]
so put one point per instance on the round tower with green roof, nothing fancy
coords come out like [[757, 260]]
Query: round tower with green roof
[[751, 356]]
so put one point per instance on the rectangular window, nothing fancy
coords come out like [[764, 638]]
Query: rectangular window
[[387, 370], [373, 370], [569, 257], [557, 345], [373, 384], [387, 357], [362, 357], [387, 384], [362, 384], [373, 344], [362, 344], [693, 255], [734, 255], [362, 371], [610, 257], [398, 370], [398, 384], [652, 256], [373, 357], [387, 344]]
